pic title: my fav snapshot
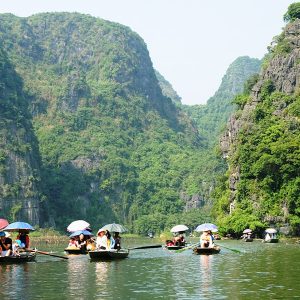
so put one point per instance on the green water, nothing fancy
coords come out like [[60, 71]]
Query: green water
[[260, 271]]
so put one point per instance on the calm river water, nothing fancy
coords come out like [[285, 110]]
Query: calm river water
[[260, 271]]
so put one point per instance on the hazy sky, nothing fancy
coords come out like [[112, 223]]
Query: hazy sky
[[191, 42]]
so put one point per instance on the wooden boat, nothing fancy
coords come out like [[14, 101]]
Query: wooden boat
[[248, 240], [24, 257], [206, 251], [76, 251], [108, 254], [174, 247]]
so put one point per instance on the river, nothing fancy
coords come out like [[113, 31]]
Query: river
[[258, 271]]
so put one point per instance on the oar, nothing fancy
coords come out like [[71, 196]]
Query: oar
[[234, 250], [47, 253], [186, 248], [146, 247]]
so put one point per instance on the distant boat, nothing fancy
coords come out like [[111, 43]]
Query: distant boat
[[108, 254], [207, 251], [271, 236]]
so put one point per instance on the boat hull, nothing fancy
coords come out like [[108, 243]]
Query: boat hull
[[108, 254], [22, 258], [75, 251], [248, 240], [174, 247], [206, 251], [271, 241]]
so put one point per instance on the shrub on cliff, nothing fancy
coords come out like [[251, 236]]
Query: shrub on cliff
[[292, 13]]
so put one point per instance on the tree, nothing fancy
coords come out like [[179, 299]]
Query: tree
[[292, 13]]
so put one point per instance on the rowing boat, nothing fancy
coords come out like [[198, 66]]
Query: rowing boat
[[206, 251], [23, 257], [248, 239], [108, 254]]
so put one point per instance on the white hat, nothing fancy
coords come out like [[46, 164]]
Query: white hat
[[7, 234]]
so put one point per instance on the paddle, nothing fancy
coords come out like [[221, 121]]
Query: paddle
[[185, 248], [47, 253], [146, 247], [234, 250]]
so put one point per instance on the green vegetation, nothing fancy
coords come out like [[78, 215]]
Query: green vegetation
[[292, 13], [113, 148], [267, 153]]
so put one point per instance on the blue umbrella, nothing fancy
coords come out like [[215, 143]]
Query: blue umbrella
[[18, 226], [206, 227], [79, 232]]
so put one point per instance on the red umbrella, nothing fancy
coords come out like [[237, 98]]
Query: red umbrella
[[3, 223]]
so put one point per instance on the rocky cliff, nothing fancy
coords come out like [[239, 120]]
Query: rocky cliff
[[19, 159], [261, 141]]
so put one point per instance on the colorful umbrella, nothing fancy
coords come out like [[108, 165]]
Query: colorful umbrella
[[179, 228], [78, 225], [206, 227], [3, 223], [113, 228], [79, 232], [16, 226]]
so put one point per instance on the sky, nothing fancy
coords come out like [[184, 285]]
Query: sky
[[190, 42]]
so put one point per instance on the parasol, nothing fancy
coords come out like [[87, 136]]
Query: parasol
[[179, 228], [78, 225], [113, 228], [206, 227], [16, 226]]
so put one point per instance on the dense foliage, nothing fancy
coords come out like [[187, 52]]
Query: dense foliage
[[113, 147], [211, 119], [268, 158], [292, 13]]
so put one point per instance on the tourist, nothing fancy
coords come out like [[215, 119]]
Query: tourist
[[82, 242], [6, 244], [101, 241], [24, 238], [206, 240], [73, 242], [117, 241]]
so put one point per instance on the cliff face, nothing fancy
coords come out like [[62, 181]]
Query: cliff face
[[19, 163], [111, 143], [269, 119], [212, 117]]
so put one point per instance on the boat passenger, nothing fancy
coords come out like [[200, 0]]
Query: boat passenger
[[268, 237], [110, 240], [6, 244], [101, 241], [117, 241], [73, 242], [82, 242], [206, 240], [24, 238]]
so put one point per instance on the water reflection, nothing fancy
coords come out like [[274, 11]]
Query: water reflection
[[78, 276], [101, 278], [205, 274]]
